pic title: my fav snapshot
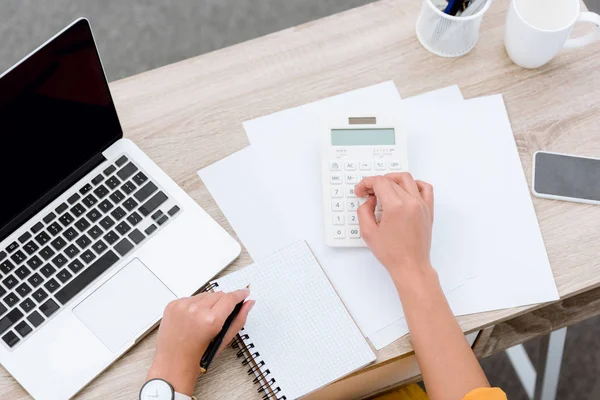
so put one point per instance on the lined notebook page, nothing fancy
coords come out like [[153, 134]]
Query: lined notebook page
[[299, 325]]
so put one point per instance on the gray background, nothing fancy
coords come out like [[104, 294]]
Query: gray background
[[138, 35]]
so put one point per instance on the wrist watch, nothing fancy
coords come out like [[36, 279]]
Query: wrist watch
[[159, 389]]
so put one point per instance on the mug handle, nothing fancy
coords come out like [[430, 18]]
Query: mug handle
[[590, 38]]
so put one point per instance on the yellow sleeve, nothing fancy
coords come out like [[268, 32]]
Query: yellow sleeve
[[486, 394]]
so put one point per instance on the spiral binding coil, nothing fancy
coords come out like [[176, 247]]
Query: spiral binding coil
[[263, 378]]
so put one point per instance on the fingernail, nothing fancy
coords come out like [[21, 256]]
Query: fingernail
[[252, 303]]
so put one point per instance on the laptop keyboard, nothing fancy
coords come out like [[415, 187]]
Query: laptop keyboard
[[76, 243]]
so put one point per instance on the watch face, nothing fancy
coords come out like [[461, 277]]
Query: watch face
[[156, 389]]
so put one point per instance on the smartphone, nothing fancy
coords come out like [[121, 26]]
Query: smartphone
[[566, 177]]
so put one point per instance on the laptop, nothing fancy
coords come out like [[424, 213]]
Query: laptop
[[95, 239]]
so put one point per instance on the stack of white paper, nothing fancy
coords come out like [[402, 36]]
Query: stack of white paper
[[487, 246]]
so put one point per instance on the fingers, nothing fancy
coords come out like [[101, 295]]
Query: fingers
[[366, 215], [238, 324], [206, 299], [225, 305], [380, 186], [426, 191], [405, 181]]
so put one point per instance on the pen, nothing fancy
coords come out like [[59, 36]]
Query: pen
[[454, 6], [214, 346]]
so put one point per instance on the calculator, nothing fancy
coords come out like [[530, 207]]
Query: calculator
[[355, 148]]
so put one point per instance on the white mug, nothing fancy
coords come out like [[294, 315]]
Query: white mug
[[536, 30]]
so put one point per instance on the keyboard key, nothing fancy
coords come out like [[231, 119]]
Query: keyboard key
[[42, 238], [112, 182], [136, 236], [123, 228], [94, 215], [12, 247], [2, 255], [39, 295], [111, 237], [97, 179], [51, 285], [146, 191], [95, 232], [72, 251], [395, 165], [86, 277], [66, 219], [352, 204], [88, 256], [118, 213], [70, 234], [35, 280], [101, 191], [3, 309], [364, 165], [22, 272], [99, 247], [31, 247], [85, 189], [2, 293], [64, 275], [107, 222], [48, 218], [153, 203], [35, 318], [122, 160], [380, 165], [61, 209], [173, 211], [37, 227], [47, 270], [49, 307], [149, 230], [76, 266], [156, 216], [89, 200], [11, 299], [352, 218], [105, 206], [109, 170], [58, 243], [78, 210], [18, 257], [335, 179], [34, 262], [23, 289], [337, 205], [162, 220], [130, 204], [83, 241], [54, 229], [123, 247], [82, 224], [10, 319], [339, 233], [338, 219], [128, 187], [6, 266], [10, 282], [23, 328], [27, 305], [117, 196], [10, 339], [334, 166], [24, 237], [140, 178], [46, 253], [71, 200], [126, 171], [59, 260], [134, 218]]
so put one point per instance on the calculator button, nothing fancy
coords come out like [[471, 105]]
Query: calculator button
[[339, 233], [395, 166], [336, 179], [350, 191], [363, 176], [351, 178], [334, 166], [354, 233], [338, 219], [337, 205], [352, 205], [336, 192], [352, 219], [350, 166], [379, 165], [365, 166]]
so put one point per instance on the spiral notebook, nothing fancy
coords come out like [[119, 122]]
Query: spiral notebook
[[299, 336]]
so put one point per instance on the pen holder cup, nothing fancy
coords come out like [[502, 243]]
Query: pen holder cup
[[450, 36]]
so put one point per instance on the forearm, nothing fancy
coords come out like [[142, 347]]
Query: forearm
[[449, 367]]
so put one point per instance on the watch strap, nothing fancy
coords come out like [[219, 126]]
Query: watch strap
[[179, 396]]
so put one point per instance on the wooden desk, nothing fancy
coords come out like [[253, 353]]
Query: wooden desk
[[189, 115]]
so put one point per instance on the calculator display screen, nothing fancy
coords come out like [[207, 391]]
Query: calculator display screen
[[363, 137]]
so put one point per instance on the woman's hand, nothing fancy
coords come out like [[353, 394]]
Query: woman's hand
[[187, 328]]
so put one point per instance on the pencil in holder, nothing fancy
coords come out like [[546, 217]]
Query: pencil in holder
[[447, 35]]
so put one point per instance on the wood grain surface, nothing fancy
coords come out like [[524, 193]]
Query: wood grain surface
[[188, 115]]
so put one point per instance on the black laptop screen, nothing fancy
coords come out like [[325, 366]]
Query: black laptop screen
[[56, 114]]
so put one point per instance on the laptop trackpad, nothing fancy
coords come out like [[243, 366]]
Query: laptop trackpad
[[124, 307]]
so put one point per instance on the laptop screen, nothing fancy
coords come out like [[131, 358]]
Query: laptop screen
[[56, 114]]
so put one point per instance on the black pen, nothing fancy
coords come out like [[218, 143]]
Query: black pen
[[214, 346]]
